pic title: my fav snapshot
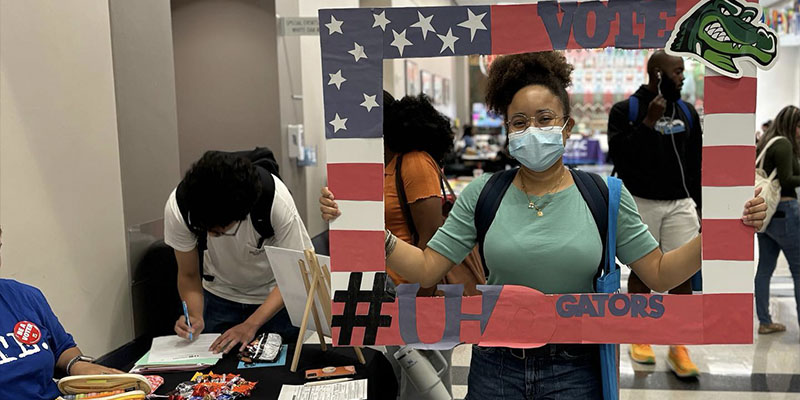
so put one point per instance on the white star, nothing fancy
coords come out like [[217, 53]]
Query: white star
[[400, 40], [337, 79], [381, 20], [369, 102], [334, 26], [474, 23], [358, 51], [338, 123], [424, 23], [448, 41]]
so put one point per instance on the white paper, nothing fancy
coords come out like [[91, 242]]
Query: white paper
[[350, 390], [175, 348], [286, 269]]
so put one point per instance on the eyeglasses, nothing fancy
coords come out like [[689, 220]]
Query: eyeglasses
[[201, 228], [546, 121]]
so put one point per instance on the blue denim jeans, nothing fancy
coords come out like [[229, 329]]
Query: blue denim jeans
[[782, 234], [220, 315], [554, 371]]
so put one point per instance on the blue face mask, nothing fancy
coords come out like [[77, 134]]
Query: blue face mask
[[535, 148]]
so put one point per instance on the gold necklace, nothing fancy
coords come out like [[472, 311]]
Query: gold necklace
[[532, 204]]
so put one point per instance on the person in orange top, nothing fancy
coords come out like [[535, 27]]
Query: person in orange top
[[418, 137]]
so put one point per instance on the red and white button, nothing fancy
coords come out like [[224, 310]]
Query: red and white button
[[27, 332]]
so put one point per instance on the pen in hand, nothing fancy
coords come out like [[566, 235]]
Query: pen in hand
[[188, 323]]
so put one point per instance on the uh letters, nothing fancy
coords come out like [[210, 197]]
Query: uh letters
[[511, 302]]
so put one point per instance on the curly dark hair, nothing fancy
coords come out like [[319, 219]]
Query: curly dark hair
[[220, 189], [412, 123], [508, 74]]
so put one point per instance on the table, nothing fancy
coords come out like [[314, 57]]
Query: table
[[382, 383]]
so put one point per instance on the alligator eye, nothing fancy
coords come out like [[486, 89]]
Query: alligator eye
[[747, 18]]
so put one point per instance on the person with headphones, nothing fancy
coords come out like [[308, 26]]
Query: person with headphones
[[655, 142]]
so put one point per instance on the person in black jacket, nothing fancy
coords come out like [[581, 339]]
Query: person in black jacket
[[655, 144]]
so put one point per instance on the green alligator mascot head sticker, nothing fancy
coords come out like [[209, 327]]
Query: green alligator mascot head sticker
[[723, 34]]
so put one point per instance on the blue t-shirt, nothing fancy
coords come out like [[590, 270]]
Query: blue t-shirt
[[26, 371]]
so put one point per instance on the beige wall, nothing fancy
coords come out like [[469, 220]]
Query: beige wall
[[144, 79], [60, 190], [226, 76]]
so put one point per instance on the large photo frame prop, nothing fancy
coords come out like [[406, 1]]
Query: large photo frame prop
[[354, 44]]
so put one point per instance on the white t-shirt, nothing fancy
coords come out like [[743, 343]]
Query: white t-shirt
[[241, 271]]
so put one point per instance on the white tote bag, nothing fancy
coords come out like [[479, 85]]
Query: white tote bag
[[770, 187]]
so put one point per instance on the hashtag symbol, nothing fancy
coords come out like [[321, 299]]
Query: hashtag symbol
[[351, 298]]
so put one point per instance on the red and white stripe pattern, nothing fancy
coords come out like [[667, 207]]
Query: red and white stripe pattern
[[355, 176], [728, 180]]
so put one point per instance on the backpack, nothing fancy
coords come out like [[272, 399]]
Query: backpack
[[469, 272], [770, 187], [633, 110], [266, 166], [603, 201]]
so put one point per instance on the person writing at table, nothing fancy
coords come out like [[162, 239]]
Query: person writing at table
[[237, 294], [34, 345], [542, 237]]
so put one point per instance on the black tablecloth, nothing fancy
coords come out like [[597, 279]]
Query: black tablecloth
[[378, 371]]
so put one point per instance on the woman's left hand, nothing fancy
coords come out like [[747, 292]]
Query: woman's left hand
[[87, 368], [755, 210]]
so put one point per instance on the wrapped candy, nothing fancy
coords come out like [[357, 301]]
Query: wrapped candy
[[213, 386]]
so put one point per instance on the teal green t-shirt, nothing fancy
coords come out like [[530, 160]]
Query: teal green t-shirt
[[556, 253]]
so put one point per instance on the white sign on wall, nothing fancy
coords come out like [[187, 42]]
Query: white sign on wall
[[299, 26]]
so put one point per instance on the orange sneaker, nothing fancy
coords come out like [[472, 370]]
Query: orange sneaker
[[680, 363], [643, 354]]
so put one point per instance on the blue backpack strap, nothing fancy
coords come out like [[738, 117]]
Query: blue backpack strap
[[614, 194], [609, 283], [633, 109], [685, 109], [595, 193], [487, 205]]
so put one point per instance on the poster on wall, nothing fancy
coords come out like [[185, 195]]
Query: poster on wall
[[427, 83], [412, 78], [445, 91], [438, 97]]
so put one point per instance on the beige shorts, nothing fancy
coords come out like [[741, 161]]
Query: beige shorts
[[671, 222]]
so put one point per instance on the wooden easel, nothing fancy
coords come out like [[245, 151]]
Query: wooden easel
[[316, 287]]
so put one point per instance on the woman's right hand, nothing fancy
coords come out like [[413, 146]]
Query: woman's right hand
[[328, 208]]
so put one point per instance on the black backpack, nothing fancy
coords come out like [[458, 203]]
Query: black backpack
[[266, 165], [592, 187]]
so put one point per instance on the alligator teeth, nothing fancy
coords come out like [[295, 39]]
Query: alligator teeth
[[717, 32]]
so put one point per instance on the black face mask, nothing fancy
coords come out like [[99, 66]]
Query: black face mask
[[668, 89]]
